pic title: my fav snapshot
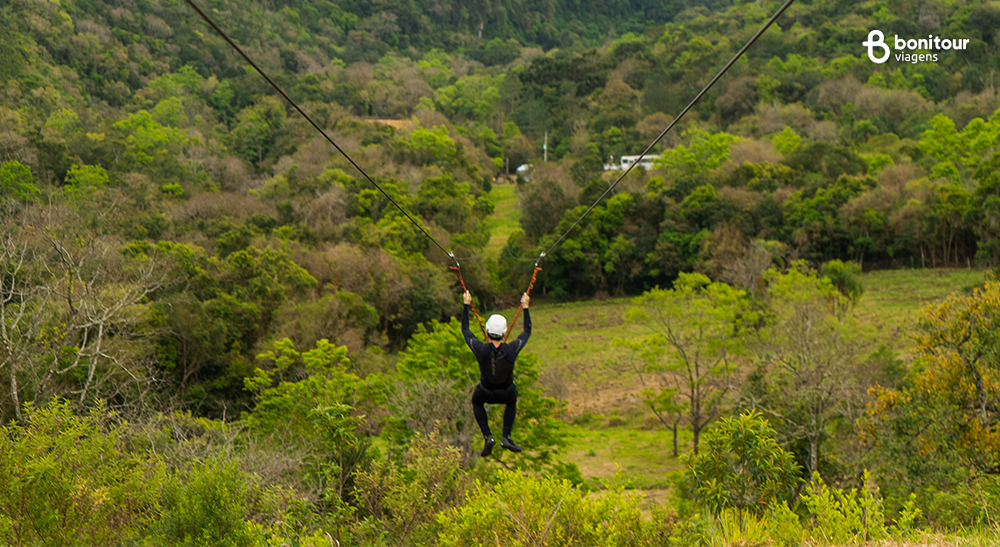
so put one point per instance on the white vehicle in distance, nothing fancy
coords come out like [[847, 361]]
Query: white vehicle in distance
[[625, 161]]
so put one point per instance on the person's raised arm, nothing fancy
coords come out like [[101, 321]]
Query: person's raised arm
[[522, 339], [470, 338]]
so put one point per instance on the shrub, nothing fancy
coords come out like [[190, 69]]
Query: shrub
[[522, 510], [211, 504], [426, 146], [783, 526], [845, 517], [974, 502], [307, 414], [844, 276], [400, 502], [738, 528], [778, 526], [70, 480], [173, 190], [16, 182], [742, 467]]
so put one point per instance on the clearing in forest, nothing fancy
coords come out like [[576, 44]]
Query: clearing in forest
[[505, 219], [612, 434]]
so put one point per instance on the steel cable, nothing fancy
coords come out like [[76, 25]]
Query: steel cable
[[317, 127], [672, 123]]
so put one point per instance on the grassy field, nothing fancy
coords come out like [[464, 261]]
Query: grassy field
[[506, 216], [613, 439], [625, 448], [893, 299], [574, 342], [611, 435]]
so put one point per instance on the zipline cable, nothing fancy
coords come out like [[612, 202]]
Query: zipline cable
[[318, 128], [461, 280], [690, 105], [672, 123], [450, 255]]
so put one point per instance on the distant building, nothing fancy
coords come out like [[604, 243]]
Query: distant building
[[625, 161]]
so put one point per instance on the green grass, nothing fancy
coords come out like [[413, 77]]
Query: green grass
[[574, 339], [968, 537], [636, 454], [894, 299], [505, 219], [612, 435]]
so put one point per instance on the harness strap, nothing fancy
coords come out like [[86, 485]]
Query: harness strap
[[531, 285], [482, 327]]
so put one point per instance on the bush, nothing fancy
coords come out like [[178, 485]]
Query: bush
[[211, 504], [428, 146], [778, 526], [17, 183], [972, 503], [783, 526], [173, 190], [742, 467], [522, 510], [307, 415], [845, 517], [70, 480], [400, 502], [844, 276]]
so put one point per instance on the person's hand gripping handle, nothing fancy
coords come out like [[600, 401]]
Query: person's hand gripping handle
[[525, 300], [467, 298]]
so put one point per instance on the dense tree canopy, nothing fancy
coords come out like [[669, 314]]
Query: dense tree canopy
[[178, 247]]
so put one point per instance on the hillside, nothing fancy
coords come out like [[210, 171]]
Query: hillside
[[215, 330]]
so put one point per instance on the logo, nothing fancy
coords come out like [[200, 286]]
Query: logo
[[871, 43], [922, 48]]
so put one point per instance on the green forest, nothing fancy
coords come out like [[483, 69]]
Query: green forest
[[215, 331]]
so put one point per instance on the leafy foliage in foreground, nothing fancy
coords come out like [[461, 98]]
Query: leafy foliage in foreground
[[72, 480], [525, 511], [945, 411], [742, 467]]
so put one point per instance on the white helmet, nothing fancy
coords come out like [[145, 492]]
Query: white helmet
[[496, 326]]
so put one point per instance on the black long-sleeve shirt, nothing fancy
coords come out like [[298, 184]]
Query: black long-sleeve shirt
[[488, 355]]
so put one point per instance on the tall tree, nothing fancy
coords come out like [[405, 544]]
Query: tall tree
[[950, 408], [74, 318], [807, 355], [700, 325]]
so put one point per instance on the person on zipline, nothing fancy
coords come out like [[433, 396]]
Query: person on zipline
[[496, 372]]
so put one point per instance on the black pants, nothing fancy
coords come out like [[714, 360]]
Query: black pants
[[502, 396]]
